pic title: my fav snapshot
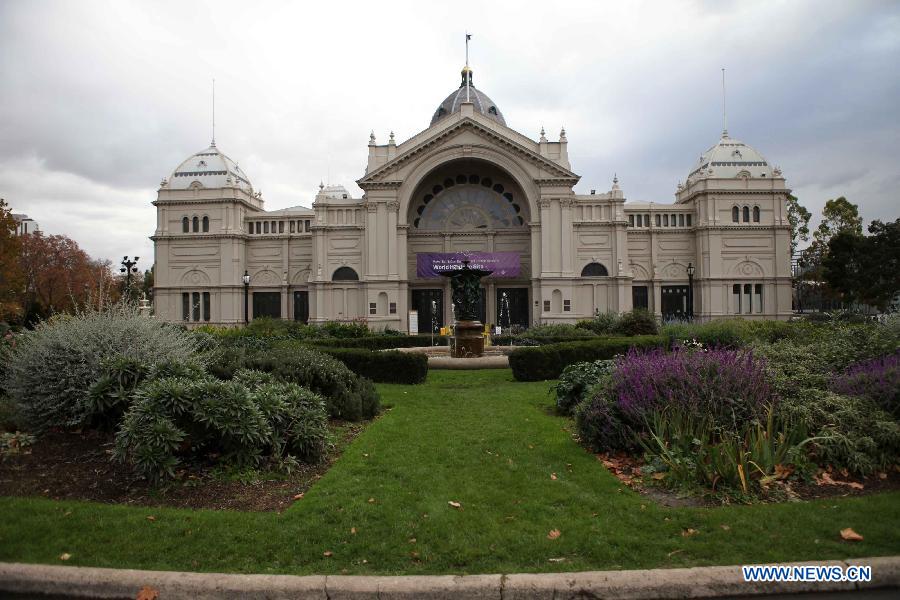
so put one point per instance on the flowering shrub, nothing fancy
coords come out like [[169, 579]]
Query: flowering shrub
[[727, 384], [877, 379], [728, 387]]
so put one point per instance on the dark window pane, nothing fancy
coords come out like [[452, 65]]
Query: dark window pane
[[185, 305], [185, 226], [195, 306], [205, 224], [206, 306]]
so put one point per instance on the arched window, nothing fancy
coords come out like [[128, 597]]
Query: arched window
[[205, 224], [185, 225], [735, 214], [196, 225], [756, 214], [594, 269], [746, 214], [345, 274]]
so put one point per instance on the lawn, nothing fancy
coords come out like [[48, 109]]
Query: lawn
[[477, 438]]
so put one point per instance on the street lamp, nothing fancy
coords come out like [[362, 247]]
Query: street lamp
[[128, 267], [246, 280], [690, 272]]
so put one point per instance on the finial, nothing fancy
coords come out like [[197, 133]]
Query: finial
[[392, 138], [467, 72], [321, 185], [615, 181], [372, 138], [213, 142], [562, 134], [543, 134], [724, 114]]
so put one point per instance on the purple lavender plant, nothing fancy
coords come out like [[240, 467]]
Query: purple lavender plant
[[877, 379], [729, 385]]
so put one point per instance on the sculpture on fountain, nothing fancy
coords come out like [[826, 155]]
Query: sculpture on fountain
[[465, 285]]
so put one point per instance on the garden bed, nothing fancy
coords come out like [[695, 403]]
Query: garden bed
[[77, 466]]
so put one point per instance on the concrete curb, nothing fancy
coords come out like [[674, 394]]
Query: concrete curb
[[697, 582]]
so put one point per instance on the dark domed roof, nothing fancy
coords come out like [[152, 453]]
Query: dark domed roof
[[482, 102]]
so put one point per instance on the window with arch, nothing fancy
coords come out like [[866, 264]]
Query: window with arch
[[195, 222], [594, 269], [746, 214], [735, 214], [756, 214], [185, 225], [345, 274], [205, 224]]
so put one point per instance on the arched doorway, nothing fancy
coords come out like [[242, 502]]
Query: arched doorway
[[474, 207]]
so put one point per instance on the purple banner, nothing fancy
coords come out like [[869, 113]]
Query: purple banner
[[432, 264]]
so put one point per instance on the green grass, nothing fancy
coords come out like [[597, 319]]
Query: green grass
[[475, 437]]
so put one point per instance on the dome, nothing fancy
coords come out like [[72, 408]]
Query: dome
[[728, 159], [211, 169], [482, 102], [334, 194]]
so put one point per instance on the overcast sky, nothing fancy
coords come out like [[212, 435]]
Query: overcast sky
[[100, 100]]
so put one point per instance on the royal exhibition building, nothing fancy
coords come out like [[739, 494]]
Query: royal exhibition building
[[468, 187]]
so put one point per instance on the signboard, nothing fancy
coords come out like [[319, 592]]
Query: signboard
[[413, 322], [502, 264]]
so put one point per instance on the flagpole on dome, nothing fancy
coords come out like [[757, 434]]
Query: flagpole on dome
[[213, 112], [468, 72]]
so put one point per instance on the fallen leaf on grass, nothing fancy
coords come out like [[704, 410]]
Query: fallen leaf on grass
[[882, 475], [148, 593], [414, 554], [327, 553], [353, 530], [725, 527], [65, 556], [556, 560], [298, 496], [454, 504], [371, 500], [412, 540], [151, 518], [850, 535], [688, 532], [553, 476], [826, 479], [554, 533], [674, 552], [658, 476]]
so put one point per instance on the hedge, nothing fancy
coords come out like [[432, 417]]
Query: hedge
[[383, 367], [547, 362], [540, 340], [380, 342]]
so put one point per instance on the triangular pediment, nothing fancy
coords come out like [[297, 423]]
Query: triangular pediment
[[466, 131]]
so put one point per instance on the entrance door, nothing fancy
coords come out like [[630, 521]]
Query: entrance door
[[674, 302], [301, 307], [267, 304], [430, 304], [513, 308]]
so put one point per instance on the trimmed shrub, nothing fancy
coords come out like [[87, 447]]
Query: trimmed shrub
[[347, 396], [575, 381], [851, 431], [602, 323], [729, 333], [175, 419], [637, 322], [877, 379], [600, 424], [526, 339], [381, 342], [547, 362], [387, 366], [556, 330], [52, 368]]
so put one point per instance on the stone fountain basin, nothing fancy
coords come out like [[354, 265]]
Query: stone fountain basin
[[495, 357]]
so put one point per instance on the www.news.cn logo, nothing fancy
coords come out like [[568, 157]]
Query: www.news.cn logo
[[807, 573]]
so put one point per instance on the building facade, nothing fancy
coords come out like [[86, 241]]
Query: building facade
[[469, 184]]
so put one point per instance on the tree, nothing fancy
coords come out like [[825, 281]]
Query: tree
[[60, 276], [838, 215], [799, 218], [865, 269], [12, 283]]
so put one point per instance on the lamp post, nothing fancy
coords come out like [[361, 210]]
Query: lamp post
[[128, 267], [246, 280], [690, 272], [801, 265]]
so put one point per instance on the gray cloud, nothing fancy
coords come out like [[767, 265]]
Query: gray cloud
[[102, 100]]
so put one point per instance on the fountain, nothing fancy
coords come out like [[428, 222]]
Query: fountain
[[465, 285]]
